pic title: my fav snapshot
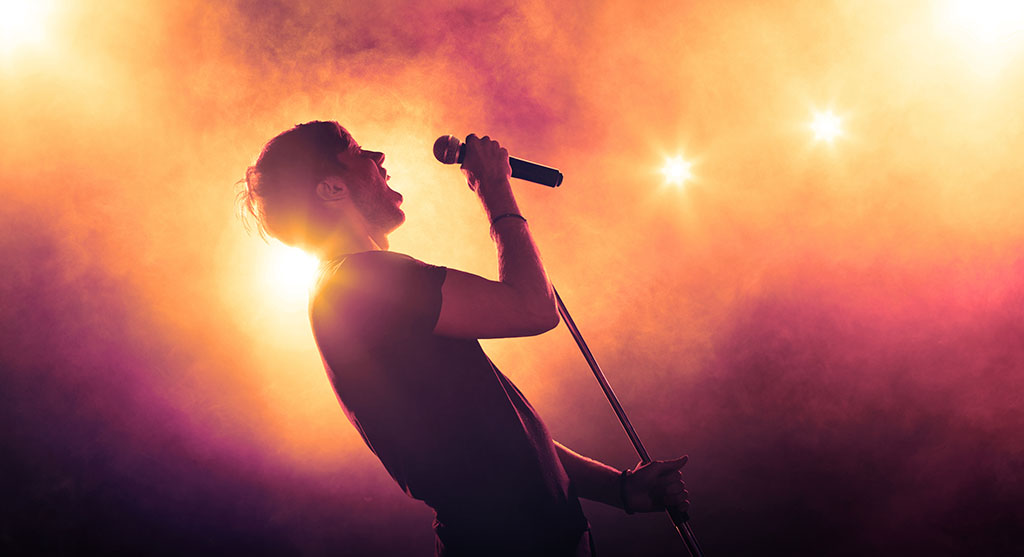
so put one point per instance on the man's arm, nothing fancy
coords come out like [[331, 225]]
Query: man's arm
[[521, 302], [650, 487]]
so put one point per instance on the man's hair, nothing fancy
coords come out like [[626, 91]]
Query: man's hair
[[279, 191]]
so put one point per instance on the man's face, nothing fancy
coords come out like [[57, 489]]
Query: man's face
[[367, 181]]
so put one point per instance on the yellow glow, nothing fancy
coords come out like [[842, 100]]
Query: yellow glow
[[23, 22], [291, 271], [986, 21], [676, 170], [826, 126]]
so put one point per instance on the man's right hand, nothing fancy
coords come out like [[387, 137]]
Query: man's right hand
[[521, 302], [485, 163]]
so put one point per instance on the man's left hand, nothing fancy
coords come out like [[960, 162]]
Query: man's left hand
[[656, 485]]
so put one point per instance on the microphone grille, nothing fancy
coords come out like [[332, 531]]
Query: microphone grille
[[446, 149]]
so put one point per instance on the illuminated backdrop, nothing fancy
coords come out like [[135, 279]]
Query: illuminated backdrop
[[791, 233]]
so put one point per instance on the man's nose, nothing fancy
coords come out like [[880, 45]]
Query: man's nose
[[377, 157]]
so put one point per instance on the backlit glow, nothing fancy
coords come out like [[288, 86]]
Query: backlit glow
[[291, 271], [23, 22]]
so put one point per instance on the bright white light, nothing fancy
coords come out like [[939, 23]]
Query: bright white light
[[986, 21], [676, 170], [826, 126], [291, 271], [23, 22]]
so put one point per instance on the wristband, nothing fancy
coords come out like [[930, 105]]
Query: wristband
[[622, 490], [499, 217]]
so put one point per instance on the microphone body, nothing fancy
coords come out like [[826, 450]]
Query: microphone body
[[449, 150]]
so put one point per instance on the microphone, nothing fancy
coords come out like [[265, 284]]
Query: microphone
[[449, 150]]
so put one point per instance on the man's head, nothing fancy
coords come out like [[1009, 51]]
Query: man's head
[[314, 187]]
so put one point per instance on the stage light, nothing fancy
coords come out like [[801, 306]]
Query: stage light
[[23, 22], [986, 21], [676, 170], [826, 126], [291, 271]]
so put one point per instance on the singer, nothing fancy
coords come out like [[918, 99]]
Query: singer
[[398, 339]]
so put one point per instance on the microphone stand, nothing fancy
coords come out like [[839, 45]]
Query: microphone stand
[[679, 518]]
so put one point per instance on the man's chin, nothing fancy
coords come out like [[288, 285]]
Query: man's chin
[[398, 221]]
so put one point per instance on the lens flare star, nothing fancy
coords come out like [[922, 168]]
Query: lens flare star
[[826, 126], [676, 171]]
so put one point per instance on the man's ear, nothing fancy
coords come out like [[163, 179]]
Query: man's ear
[[332, 188]]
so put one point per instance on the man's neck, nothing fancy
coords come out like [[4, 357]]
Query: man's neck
[[341, 246]]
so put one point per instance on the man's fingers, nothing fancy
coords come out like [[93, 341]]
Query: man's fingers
[[675, 487], [678, 462], [670, 467], [482, 144], [678, 502], [674, 497], [664, 483], [667, 486]]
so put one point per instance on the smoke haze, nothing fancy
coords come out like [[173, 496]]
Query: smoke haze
[[833, 332]]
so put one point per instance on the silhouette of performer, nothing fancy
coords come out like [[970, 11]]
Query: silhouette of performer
[[398, 338]]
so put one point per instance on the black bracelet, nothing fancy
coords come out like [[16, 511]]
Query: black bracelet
[[499, 217], [622, 490]]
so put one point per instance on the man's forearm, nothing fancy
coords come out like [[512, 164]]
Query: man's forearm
[[593, 480], [519, 262]]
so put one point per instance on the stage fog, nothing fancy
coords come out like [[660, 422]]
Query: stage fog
[[831, 325]]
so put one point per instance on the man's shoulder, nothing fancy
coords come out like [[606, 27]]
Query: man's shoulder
[[366, 272], [363, 266], [384, 291], [384, 259]]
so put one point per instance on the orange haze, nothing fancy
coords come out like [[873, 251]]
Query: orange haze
[[832, 331]]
